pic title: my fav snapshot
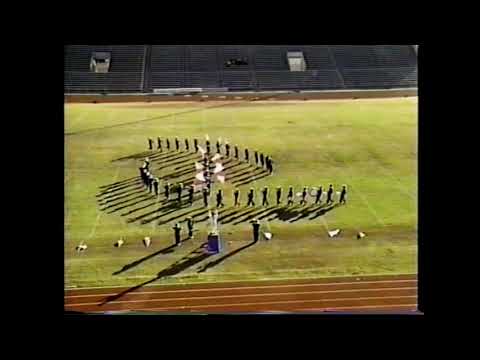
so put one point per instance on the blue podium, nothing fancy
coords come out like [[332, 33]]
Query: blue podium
[[214, 243]]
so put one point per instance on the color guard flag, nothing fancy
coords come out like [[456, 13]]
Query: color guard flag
[[216, 157], [200, 176], [361, 235], [207, 137], [198, 166], [81, 247], [334, 233], [221, 178], [202, 151], [146, 241], [218, 168]]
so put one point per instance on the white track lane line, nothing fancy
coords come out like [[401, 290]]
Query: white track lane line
[[408, 306], [276, 303], [247, 288], [244, 296]]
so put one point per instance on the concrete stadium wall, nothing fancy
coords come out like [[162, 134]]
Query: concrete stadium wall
[[247, 96]]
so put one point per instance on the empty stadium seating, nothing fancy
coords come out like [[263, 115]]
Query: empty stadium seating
[[126, 69], [138, 68]]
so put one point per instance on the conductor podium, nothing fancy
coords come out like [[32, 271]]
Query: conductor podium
[[214, 243]]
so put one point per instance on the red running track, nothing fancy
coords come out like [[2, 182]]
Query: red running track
[[349, 294]]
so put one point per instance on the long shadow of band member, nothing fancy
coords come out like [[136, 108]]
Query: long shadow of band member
[[177, 229], [256, 229], [150, 144], [251, 196]]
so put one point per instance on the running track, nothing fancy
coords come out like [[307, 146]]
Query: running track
[[352, 294]]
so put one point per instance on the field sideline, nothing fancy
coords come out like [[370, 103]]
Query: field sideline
[[370, 145]]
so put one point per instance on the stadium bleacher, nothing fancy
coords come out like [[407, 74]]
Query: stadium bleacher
[[142, 68]]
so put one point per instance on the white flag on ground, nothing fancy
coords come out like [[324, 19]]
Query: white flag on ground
[[198, 166], [81, 247], [146, 241], [202, 150], [218, 168], [221, 178], [334, 233], [267, 235], [216, 157], [200, 176]]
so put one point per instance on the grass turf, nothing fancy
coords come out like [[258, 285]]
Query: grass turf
[[370, 145]]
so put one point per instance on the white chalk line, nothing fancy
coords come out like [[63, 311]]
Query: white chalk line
[[249, 288], [408, 306]]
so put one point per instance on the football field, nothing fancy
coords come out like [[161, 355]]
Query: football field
[[369, 145]]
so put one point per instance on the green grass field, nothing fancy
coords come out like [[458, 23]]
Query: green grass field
[[370, 145]]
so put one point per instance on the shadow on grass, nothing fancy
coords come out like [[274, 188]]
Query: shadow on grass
[[166, 250], [225, 257], [262, 175], [118, 183], [184, 263], [117, 191]]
